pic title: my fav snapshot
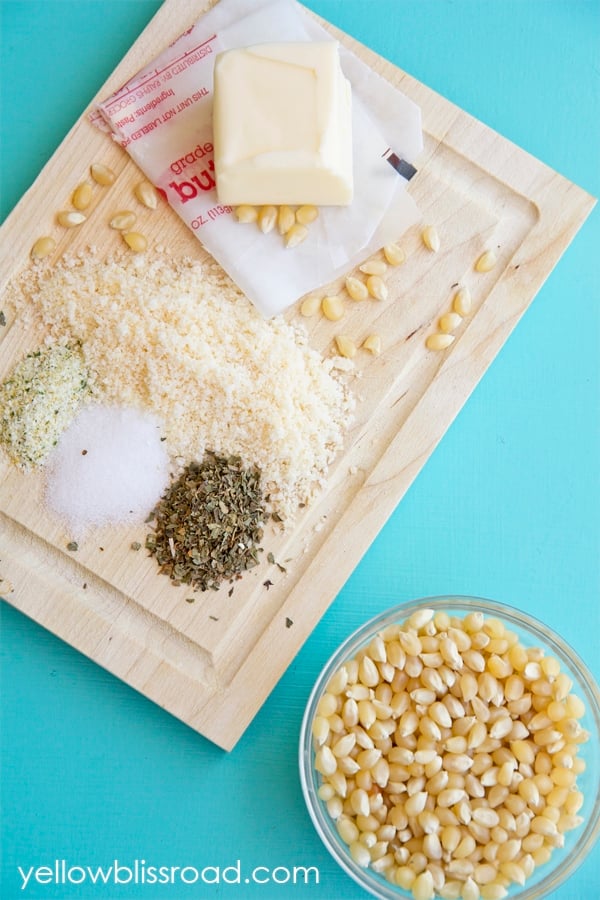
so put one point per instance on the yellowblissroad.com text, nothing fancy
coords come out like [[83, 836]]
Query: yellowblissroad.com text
[[140, 872]]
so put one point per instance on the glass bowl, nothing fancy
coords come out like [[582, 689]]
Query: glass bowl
[[547, 876]]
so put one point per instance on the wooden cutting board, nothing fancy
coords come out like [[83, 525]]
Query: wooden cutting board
[[212, 663]]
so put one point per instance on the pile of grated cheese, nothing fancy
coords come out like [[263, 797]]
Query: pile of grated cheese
[[179, 338]]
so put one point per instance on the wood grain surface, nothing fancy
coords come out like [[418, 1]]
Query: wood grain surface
[[213, 663]]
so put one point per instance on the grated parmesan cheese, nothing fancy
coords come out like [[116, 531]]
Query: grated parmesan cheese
[[181, 340]]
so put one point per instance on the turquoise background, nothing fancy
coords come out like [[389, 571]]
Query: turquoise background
[[506, 507]]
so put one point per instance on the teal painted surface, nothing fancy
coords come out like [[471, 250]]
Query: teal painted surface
[[506, 507]]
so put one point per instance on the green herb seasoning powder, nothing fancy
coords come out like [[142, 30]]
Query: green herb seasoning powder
[[38, 401], [209, 523]]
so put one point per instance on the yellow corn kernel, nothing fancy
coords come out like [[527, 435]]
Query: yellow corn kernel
[[44, 246], [356, 289], [374, 267], [486, 261], [332, 308], [246, 214], [449, 322], [267, 217], [306, 214], [431, 238], [310, 306], [285, 219], [124, 220], [394, 254], [461, 303], [347, 348], [146, 194], [439, 341], [68, 218], [295, 235], [377, 287], [135, 241], [82, 196], [372, 343], [102, 174]]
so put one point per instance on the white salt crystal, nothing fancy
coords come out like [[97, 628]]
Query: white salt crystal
[[110, 466]]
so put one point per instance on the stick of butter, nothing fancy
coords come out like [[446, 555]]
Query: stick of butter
[[282, 125]]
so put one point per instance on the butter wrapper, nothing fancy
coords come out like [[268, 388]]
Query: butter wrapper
[[163, 119]]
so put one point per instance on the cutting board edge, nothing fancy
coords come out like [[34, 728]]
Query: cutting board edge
[[579, 205]]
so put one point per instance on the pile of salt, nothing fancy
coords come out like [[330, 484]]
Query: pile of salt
[[110, 466]]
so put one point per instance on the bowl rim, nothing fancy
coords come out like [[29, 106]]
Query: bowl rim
[[325, 826]]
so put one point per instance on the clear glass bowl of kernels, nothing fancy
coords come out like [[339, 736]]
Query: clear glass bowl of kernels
[[380, 819]]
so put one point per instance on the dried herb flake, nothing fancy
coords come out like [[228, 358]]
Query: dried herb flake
[[209, 523]]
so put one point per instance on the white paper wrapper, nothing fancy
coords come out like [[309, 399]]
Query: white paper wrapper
[[163, 118]]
